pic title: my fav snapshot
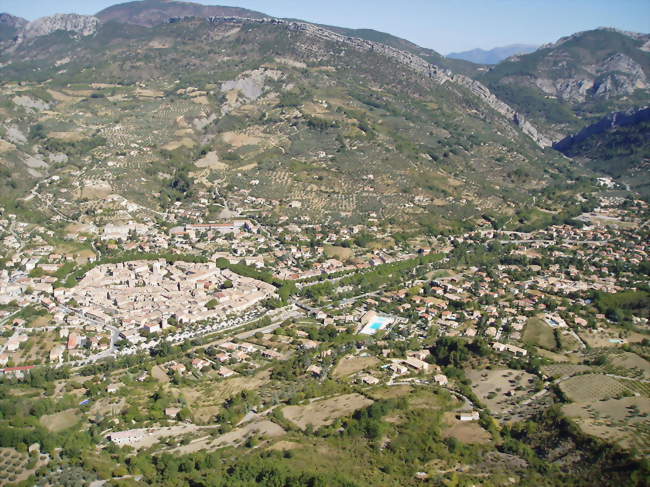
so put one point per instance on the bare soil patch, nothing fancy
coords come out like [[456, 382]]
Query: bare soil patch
[[351, 365], [60, 421], [326, 411], [466, 431], [618, 420]]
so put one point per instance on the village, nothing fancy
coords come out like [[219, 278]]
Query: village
[[365, 318]]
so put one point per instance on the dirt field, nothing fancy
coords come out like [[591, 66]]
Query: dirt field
[[539, 333], [264, 429], [351, 365], [618, 420], [205, 398], [504, 391], [211, 161], [633, 362], [60, 421], [391, 392], [159, 374], [341, 253], [465, 431], [324, 412], [591, 387]]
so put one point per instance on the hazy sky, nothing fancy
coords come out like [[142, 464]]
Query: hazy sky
[[443, 25]]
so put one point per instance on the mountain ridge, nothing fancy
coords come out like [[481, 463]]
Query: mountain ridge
[[494, 55]]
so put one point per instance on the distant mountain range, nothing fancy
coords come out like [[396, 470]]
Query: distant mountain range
[[493, 56]]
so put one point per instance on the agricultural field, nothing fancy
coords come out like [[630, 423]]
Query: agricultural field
[[16, 466], [592, 387], [325, 411], [505, 392], [564, 370], [631, 362], [625, 421]]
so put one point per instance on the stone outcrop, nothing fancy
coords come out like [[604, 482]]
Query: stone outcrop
[[17, 23], [83, 25]]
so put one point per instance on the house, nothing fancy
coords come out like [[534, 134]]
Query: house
[[419, 354], [56, 354], [199, 363], [504, 347], [469, 416], [152, 328], [315, 370], [398, 368], [441, 379], [4, 358], [271, 354], [176, 367], [226, 372], [369, 379], [112, 388], [417, 364]]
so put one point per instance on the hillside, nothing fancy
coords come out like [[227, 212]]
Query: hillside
[[148, 13], [578, 79], [270, 112], [618, 145], [494, 55]]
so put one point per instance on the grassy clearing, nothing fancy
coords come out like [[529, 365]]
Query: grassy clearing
[[340, 253], [60, 421], [351, 365], [538, 333]]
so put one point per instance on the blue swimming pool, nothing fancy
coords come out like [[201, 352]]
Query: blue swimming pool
[[376, 324]]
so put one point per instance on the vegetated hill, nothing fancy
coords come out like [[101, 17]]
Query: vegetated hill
[[493, 56], [154, 12], [268, 113], [618, 145], [10, 26], [575, 81]]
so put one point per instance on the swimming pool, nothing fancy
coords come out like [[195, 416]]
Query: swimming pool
[[376, 324]]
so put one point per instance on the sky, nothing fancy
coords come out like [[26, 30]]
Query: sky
[[443, 25]]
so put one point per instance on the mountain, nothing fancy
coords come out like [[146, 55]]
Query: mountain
[[148, 13], [10, 26], [617, 145], [263, 110], [492, 56], [577, 80]]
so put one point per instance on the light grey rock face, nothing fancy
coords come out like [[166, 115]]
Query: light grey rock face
[[31, 103], [84, 25], [15, 22], [615, 76], [15, 135]]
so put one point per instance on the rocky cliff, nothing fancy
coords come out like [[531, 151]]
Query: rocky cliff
[[83, 25]]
